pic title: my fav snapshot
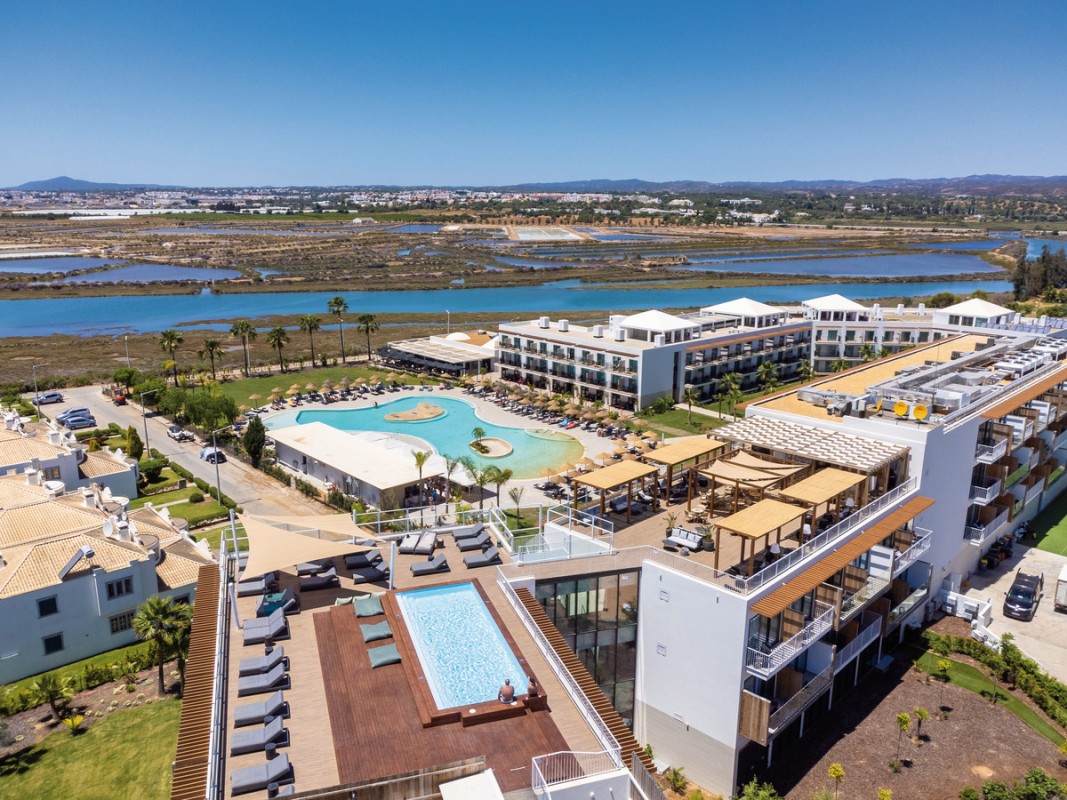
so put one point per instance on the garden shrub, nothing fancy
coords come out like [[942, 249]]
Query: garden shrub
[[196, 497]]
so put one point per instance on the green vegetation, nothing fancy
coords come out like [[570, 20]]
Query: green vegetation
[[675, 422], [240, 391], [1050, 526], [108, 760], [162, 498], [972, 679], [1035, 277], [199, 513], [213, 537]]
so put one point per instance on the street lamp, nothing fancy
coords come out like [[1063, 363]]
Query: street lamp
[[214, 447], [144, 417], [126, 341], [448, 323], [36, 394]]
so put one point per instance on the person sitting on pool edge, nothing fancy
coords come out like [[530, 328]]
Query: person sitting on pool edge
[[506, 693]]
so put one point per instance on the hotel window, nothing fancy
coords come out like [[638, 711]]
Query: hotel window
[[53, 643], [119, 588], [47, 606], [51, 473], [121, 622]]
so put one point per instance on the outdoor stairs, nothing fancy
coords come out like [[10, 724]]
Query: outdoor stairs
[[623, 735]]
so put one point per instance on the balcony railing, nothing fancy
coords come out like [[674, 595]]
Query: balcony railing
[[1034, 491], [988, 453], [987, 493], [911, 555], [855, 602], [808, 694], [857, 645], [567, 766], [917, 596], [765, 661]]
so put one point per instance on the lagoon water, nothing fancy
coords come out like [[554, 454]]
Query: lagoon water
[[890, 266], [39, 266], [95, 315], [144, 273]]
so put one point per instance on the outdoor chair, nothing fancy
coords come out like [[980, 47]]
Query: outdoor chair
[[256, 713], [260, 664], [290, 604], [370, 575], [419, 544], [273, 627], [367, 559], [433, 566], [277, 678], [314, 567], [474, 543], [467, 531], [252, 741], [257, 778], [322, 581], [489, 557]]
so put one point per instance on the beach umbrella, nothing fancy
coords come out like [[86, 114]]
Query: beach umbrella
[[605, 457], [311, 387], [634, 439], [540, 404], [587, 461], [637, 423], [554, 406], [345, 382], [244, 408], [589, 416], [293, 391], [566, 468], [423, 376], [295, 386], [557, 479], [277, 390], [376, 379], [602, 413], [360, 381], [629, 457], [254, 397], [547, 472], [327, 385]]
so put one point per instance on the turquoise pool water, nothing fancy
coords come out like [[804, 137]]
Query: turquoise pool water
[[450, 434], [464, 656]]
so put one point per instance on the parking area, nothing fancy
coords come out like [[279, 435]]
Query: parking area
[[1044, 638]]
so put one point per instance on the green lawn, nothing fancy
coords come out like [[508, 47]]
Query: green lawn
[[167, 479], [241, 390], [160, 498], [199, 513], [213, 536], [975, 680], [676, 422], [76, 669], [1051, 526], [127, 755]]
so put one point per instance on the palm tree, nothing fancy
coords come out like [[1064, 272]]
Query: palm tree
[[243, 330], [56, 691], [500, 477], [309, 323], [450, 467], [838, 365], [211, 349], [421, 457], [337, 306], [805, 371], [867, 352], [477, 433], [515, 493], [767, 374], [367, 324], [169, 341], [158, 621], [689, 397], [482, 478], [278, 338]]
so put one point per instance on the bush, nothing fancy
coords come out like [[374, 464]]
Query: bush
[[338, 500], [181, 471], [152, 468], [969, 793], [196, 497], [307, 489], [202, 485]]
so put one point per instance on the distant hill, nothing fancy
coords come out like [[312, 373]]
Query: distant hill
[[66, 184]]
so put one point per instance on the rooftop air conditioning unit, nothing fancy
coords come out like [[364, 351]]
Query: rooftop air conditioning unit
[[563, 324], [542, 322], [620, 335], [598, 331], [660, 340]]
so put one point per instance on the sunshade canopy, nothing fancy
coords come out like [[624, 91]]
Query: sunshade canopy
[[340, 524], [824, 485], [617, 475], [760, 518], [271, 548], [723, 470]]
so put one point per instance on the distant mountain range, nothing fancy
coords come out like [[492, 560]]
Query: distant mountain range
[[983, 185]]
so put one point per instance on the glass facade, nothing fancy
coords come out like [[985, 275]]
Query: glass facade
[[597, 616]]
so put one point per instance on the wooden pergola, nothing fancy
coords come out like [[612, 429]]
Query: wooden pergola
[[691, 449], [827, 486], [616, 476], [757, 521]]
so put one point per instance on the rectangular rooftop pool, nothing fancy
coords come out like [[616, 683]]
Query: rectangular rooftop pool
[[464, 655]]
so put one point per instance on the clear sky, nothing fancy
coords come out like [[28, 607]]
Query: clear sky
[[240, 93]]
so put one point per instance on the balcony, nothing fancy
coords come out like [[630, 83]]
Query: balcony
[[917, 596], [795, 705], [871, 631], [919, 546], [856, 602], [764, 660], [988, 453], [985, 491]]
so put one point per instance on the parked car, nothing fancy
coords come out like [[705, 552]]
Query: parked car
[[48, 397], [119, 399], [179, 434], [212, 455], [1024, 595], [76, 423], [67, 413]]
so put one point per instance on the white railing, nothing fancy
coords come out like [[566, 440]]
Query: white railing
[[857, 645], [988, 453], [565, 766], [569, 517], [808, 694], [843, 528], [1034, 491], [217, 737], [574, 546], [582, 703], [912, 600], [985, 494], [974, 534], [769, 661], [856, 601], [923, 538]]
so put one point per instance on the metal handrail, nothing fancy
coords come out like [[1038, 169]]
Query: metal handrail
[[906, 607], [805, 696], [853, 648], [217, 736], [782, 652], [571, 765], [911, 555], [582, 703]]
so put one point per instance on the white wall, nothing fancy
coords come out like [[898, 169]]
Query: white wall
[[691, 654]]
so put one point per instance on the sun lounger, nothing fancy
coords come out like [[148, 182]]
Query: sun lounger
[[257, 778], [254, 586], [277, 678], [419, 544], [433, 566], [256, 713], [367, 559], [370, 575], [322, 581], [314, 567], [289, 604], [467, 531], [260, 664], [484, 559], [256, 739], [273, 627], [474, 543]]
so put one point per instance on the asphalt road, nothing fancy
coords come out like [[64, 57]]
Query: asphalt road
[[251, 489]]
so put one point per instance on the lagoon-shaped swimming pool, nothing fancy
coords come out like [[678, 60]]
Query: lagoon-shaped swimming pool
[[450, 434]]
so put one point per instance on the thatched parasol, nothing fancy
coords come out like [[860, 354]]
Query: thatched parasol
[[327, 385], [345, 382], [605, 457], [629, 457], [547, 472], [254, 397], [311, 387], [360, 381], [557, 479], [293, 392], [295, 386], [277, 390]]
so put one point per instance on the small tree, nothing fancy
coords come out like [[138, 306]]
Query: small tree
[[836, 773], [885, 794], [943, 667], [421, 457], [515, 493], [478, 433], [51, 689], [904, 725], [255, 439], [689, 397], [920, 715], [676, 778], [134, 445], [158, 621], [754, 790]]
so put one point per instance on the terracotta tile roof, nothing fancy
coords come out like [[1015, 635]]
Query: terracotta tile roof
[[14, 491], [98, 464], [45, 520], [37, 566], [16, 448], [180, 565]]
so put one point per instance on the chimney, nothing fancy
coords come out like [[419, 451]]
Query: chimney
[[31, 476], [88, 498]]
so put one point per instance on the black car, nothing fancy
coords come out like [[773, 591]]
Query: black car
[[1024, 595]]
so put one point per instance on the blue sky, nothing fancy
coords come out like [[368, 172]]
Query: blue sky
[[492, 93]]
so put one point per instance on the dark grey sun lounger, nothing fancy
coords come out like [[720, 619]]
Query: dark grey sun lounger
[[314, 567], [370, 575], [253, 586], [256, 713], [489, 557], [261, 664], [367, 559], [467, 531], [431, 567], [273, 627], [256, 739], [277, 678], [257, 778], [324, 580], [474, 542]]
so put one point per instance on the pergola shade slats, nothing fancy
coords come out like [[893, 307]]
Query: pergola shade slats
[[1025, 396], [823, 486], [791, 591], [678, 453], [616, 475], [760, 519]]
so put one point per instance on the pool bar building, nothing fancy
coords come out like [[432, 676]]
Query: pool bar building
[[866, 499]]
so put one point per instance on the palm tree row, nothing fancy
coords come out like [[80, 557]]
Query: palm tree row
[[166, 626]]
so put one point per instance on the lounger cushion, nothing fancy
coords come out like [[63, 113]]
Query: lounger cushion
[[384, 655], [255, 713], [369, 606], [344, 601], [372, 632], [254, 778]]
